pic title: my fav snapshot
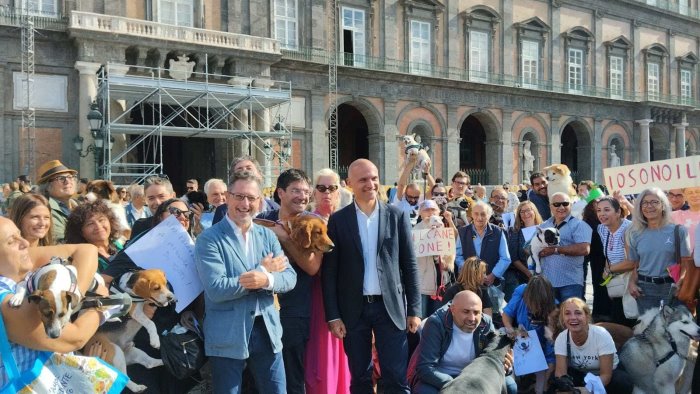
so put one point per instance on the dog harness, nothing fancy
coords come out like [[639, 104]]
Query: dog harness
[[414, 146], [118, 285], [31, 276], [669, 339]]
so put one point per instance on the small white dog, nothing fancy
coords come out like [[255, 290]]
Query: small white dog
[[559, 180], [542, 239], [413, 149]]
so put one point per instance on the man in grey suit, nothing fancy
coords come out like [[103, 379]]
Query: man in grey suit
[[240, 265], [370, 283]]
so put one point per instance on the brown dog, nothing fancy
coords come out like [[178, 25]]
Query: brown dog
[[307, 231]]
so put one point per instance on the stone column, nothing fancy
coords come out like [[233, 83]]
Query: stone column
[[87, 93], [507, 174], [388, 169], [319, 132], [680, 138], [452, 24], [644, 154], [450, 150], [554, 148], [597, 162]]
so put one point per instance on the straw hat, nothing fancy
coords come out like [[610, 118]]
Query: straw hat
[[51, 168]]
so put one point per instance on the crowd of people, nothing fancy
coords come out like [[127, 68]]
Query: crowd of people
[[279, 318]]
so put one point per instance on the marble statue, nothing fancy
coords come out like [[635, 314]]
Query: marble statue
[[614, 158], [528, 160]]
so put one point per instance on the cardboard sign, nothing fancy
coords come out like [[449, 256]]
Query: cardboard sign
[[434, 242], [528, 356], [664, 174], [168, 247]]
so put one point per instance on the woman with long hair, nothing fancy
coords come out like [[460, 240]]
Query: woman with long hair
[[95, 223], [32, 215], [471, 277], [596, 260], [652, 248], [527, 218]]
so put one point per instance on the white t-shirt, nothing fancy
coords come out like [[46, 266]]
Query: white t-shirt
[[586, 357], [459, 354]]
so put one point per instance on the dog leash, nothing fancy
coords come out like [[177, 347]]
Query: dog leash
[[669, 339]]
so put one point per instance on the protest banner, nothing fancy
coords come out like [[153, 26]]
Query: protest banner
[[434, 242], [664, 174], [169, 248]]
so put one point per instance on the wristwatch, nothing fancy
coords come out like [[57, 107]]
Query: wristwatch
[[556, 250]]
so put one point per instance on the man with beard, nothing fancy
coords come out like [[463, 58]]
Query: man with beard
[[461, 203], [57, 184], [499, 203], [538, 194], [294, 190]]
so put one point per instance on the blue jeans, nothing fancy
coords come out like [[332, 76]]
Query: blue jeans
[[266, 367], [652, 294], [565, 292], [392, 348]]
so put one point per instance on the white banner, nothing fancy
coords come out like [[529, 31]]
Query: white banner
[[664, 174], [434, 242]]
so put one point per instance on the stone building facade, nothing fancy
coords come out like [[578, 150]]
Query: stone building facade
[[474, 79]]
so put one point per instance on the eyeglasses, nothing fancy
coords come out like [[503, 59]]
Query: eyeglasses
[[500, 198], [460, 182], [412, 197], [241, 197], [439, 194], [177, 212], [64, 178], [674, 195], [300, 192], [560, 204], [651, 203], [324, 188]]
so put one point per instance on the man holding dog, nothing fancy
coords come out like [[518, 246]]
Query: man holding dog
[[370, 283], [241, 265], [451, 339], [563, 264]]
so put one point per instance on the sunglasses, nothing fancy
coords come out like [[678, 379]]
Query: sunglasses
[[439, 194], [324, 188], [177, 212], [560, 204]]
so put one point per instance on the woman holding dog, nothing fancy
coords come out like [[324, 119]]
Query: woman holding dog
[[326, 365], [32, 214], [612, 230], [527, 218], [586, 348], [652, 243], [95, 223]]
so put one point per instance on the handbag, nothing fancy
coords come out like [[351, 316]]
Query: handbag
[[691, 281], [617, 285], [58, 373], [182, 353]]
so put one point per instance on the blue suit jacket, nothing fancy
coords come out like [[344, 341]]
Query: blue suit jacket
[[343, 268], [230, 309]]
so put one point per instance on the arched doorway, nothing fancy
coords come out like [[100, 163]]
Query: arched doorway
[[472, 150], [658, 144], [576, 150], [352, 137]]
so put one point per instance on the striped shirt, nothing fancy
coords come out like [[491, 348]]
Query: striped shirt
[[614, 246], [24, 356]]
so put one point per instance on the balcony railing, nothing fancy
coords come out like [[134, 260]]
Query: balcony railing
[[673, 6], [321, 56], [11, 16], [190, 35]]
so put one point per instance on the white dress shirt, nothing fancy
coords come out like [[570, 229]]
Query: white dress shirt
[[249, 255], [369, 234]]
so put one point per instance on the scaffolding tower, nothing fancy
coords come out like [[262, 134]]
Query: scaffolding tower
[[204, 105], [333, 84], [28, 113]]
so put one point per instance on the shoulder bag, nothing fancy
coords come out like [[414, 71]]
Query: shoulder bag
[[691, 281], [617, 284]]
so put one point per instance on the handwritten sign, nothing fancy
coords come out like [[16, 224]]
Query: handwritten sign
[[168, 247], [528, 356], [664, 174], [434, 242]]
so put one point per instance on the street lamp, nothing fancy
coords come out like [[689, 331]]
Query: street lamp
[[95, 119]]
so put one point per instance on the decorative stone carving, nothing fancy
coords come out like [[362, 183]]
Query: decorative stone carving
[[614, 158], [528, 160], [180, 69]]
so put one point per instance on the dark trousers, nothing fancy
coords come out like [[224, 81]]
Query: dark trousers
[[391, 346], [295, 335]]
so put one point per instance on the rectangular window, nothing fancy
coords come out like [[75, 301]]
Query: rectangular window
[[653, 88], [176, 12], [530, 58], [575, 70], [651, 2], [683, 7], [286, 23], [617, 77], [686, 86], [419, 50], [42, 7], [478, 56], [353, 26]]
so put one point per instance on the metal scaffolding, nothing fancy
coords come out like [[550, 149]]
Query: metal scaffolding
[[28, 113], [333, 84], [234, 109]]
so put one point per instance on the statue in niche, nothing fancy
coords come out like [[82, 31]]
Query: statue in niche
[[528, 160], [180, 69], [614, 158]]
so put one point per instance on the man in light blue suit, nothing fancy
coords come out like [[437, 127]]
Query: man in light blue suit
[[241, 265]]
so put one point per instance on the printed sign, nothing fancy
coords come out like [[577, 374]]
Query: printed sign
[[434, 242], [664, 174], [168, 247]]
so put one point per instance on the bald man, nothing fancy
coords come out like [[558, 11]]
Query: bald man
[[451, 339], [370, 283]]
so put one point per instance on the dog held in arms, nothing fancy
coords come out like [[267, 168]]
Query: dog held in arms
[[542, 239], [415, 153], [145, 286], [308, 231], [654, 358]]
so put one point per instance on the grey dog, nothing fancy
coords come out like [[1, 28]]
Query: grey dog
[[486, 374], [655, 356]]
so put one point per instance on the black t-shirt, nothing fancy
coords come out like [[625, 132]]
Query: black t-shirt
[[296, 302]]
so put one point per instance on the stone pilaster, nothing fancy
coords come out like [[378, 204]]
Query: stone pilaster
[[597, 151], [319, 132], [87, 92], [507, 149], [450, 155], [389, 170], [554, 148], [644, 153], [680, 138]]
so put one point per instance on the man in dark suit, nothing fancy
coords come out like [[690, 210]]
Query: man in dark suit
[[370, 283]]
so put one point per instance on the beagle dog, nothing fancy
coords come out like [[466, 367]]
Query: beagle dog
[[308, 231]]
